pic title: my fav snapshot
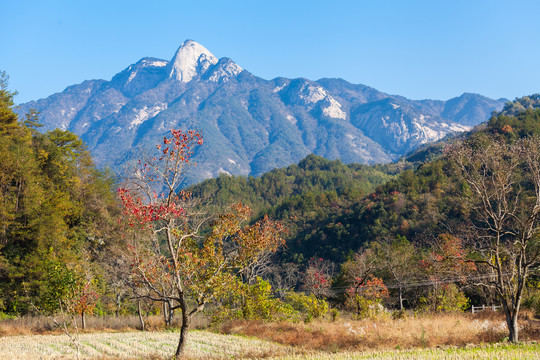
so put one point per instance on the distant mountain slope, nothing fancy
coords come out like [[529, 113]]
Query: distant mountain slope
[[250, 125], [312, 174]]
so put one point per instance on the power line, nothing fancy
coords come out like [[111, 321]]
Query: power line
[[424, 283]]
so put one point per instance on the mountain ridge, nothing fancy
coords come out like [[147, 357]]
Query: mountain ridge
[[250, 124]]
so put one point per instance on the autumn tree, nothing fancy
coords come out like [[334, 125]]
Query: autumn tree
[[366, 295], [399, 258], [504, 187], [317, 277], [357, 271], [174, 262], [447, 260], [447, 270], [83, 300]]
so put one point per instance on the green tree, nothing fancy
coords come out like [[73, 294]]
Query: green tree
[[399, 258], [55, 207]]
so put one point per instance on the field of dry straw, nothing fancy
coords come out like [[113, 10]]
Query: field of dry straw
[[460, 336]]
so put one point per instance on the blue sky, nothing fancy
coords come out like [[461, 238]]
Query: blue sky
[[418, 49]]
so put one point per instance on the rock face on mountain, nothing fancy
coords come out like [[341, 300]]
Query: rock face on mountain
[[250, 125]]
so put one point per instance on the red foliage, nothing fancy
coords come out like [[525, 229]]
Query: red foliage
[[372, 288], [507, 129], [142, 214], [84, 299], [448, 259], [182, 144], [318, 276], [174, 153]]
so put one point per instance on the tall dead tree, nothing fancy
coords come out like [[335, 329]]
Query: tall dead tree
[[504, 188]]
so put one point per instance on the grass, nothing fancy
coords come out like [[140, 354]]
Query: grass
[[426, 331], [29, 325], [528, 351], [136, 345], [449, 336], [206, 345]]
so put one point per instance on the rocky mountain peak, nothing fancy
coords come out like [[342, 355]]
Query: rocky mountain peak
[[224, 70], [191, 59]]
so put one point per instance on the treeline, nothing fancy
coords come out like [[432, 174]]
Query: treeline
[[312, 175], [57, 214]]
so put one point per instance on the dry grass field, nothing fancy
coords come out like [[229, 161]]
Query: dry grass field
[[385, 333], [205, 346], [452, 336], [31, 325], [136, 345], [491, 352]]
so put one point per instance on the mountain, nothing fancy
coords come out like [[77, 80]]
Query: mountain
[[250, 125]]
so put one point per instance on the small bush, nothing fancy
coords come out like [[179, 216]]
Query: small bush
[[334, 314], [254, 302], [309, 305], [532, 300], [399, 314], [446, 298], [4, 316], [366, 308]]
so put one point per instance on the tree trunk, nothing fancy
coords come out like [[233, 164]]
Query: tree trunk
[[83, 320], [400, 297], [141, 320], [171, 313], [183, 331], [167, 317], [513, 330], [118, 302]]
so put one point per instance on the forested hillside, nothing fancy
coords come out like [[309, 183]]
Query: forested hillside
[[314, 174], [57, 213]]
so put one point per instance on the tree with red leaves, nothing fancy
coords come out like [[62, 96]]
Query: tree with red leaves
[[83, 300], [366, 292], [172, 262], [317, 277], [447, 261]]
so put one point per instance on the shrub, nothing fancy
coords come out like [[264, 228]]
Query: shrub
[[309, 305], [4, 316], [366, 308], [334, 314], [446, 298], [399, 314], [532, 301], [253, 302]]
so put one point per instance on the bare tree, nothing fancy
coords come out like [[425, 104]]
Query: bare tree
[[284, 278], [504, 186], [260, 268]]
